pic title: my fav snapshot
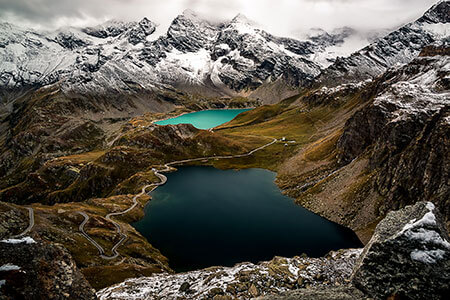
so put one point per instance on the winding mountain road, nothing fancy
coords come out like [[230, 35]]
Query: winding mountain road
[[30, 224], [163, 180]]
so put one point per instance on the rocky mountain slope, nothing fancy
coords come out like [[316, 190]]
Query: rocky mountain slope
[[99, 173], [194, 55], [71, 90], [59, 224], [406, 130], [398, 47], [391, 151]]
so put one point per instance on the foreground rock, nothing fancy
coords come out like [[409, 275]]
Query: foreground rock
[[407, 258], [243, 281], [38, 270]]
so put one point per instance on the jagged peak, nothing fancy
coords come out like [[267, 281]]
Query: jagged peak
[[243, 19], [9, 25], [147, 25], [243, 24], [438, 13], [113, 22], [315, 32], [193, 17], [145, 20]]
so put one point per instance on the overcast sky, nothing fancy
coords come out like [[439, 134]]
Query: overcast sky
[[280, 17]]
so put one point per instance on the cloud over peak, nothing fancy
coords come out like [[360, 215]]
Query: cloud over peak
[[282, 17]]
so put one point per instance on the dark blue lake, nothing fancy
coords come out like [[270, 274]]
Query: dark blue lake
[[206, 217]]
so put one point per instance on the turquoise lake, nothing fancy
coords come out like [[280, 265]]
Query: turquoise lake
[[206, 217], [204, 119]]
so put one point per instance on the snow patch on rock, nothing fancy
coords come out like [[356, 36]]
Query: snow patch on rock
[[423, 231], [9, 267], [428, 256], [417, 94], [243, 280], [27, 240], [439, 30]]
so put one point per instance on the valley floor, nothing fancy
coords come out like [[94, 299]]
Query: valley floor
[[92, 237], [339, 152]]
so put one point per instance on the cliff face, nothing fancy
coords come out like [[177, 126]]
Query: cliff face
[[390, 150], [405, 134]]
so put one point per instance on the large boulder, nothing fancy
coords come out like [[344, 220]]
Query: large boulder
[[408, 257], [32, 269]]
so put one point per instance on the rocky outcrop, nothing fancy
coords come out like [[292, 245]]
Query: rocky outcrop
[[243, 281], [141, 31], [32, 269], [408, 257], [405, 132]]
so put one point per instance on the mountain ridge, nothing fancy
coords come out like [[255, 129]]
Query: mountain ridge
[[236, 57], [398, 47]]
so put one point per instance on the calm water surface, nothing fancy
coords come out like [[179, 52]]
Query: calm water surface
[[204, 119], [205, 217]]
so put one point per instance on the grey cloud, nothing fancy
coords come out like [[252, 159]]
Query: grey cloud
[[282, 17]]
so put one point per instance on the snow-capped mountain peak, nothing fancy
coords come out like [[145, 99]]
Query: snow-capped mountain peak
[[438, 13], [399, 47], [241, 18], [228, 59], [190, 16]]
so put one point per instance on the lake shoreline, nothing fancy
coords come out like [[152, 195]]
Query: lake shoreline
[[196, 111], [252, 215]]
